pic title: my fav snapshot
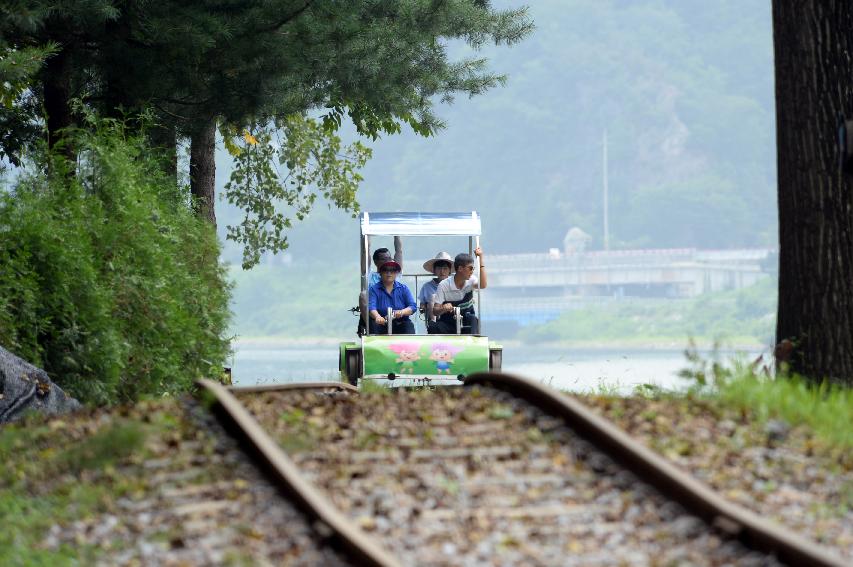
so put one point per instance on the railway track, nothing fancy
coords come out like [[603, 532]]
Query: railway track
[[500, 472], [175, 489], [331, 525]]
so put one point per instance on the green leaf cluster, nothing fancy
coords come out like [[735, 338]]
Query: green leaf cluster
[[17, 69], [18, 109], [313, 162], [383, 63], [107, 280]]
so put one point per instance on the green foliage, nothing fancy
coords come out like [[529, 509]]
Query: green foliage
[[316, 165], [40, 485], [393, 64], [827, 409], [34, 34], [107, 280], [102, 449], [383, 65], [59, 472], [741, 315], [18, 68]]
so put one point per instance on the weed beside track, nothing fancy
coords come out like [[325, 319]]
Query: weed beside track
[[158, 483]]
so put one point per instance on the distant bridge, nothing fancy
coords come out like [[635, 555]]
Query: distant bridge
[[533, 288], [650, 273]]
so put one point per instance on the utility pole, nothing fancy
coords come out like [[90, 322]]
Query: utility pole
[[606, 221]]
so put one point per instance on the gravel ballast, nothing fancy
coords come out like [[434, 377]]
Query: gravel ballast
[[473, 477], [783, 473]]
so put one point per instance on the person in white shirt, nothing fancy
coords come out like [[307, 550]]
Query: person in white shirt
[[458, 291]]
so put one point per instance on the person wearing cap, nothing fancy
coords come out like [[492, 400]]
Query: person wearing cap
[[458, 291], [382, 254], [440, 267], [379, 256], [389, 293]]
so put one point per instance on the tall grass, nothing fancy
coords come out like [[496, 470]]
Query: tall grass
[[825, 408]]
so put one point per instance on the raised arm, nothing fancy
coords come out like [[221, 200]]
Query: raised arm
[[484, 280], [398, 250]]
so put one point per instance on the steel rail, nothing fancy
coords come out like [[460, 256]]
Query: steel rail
[[339, 386], [695, 496], [237, 421]]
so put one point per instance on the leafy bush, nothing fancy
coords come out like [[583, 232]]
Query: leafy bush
[[107, 280]]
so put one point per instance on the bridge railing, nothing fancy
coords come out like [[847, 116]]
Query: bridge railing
[[628, 258]]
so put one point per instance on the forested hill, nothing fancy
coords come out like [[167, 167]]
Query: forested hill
[[684, 89]]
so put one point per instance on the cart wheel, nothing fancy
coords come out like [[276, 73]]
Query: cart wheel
[[495, 360], [353, 366]]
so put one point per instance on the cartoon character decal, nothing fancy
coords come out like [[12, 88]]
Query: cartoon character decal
[[407, 354], [443, 355]]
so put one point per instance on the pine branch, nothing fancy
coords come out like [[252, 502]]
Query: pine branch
[[286, 20]]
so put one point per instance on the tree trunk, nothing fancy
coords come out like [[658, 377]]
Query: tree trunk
[[814, 68], [203, 170], [57, 100]]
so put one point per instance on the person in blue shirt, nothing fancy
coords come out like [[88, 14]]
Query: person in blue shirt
[[379, 256], [388, 292]]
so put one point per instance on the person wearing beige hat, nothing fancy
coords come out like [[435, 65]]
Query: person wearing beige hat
[[440, 267]]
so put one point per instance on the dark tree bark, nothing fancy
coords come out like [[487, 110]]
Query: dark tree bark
[[813, 44], [203, 170], [57, 99]]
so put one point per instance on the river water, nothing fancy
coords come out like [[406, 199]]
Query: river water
[[578, 370]]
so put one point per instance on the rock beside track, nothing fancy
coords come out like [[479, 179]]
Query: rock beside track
[[24, 387]]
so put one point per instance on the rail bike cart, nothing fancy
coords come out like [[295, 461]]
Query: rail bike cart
[[420, 359]]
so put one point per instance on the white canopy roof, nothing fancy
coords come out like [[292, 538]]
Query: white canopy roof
[[420, 224]]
